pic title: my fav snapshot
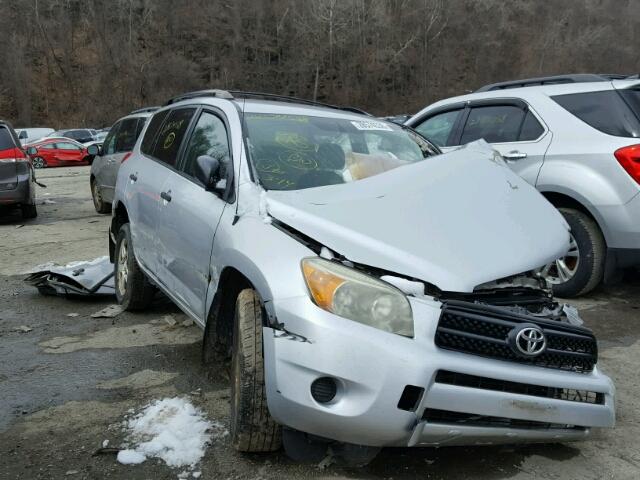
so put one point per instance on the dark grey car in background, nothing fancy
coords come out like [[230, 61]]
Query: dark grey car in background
[[17, 182], [115, 149]]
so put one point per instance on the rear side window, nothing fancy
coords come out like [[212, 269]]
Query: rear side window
[[495, 124], [150, 135], [437, 129], [126, 137], [605, 111], [6, 140], [531, 128], [171, 135]]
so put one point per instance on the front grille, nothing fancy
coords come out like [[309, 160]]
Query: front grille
[[484, 383], [483, 330], [433, 415]]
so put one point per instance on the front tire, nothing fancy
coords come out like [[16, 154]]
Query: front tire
[[252, 428], [133, 290], [583, 268], [98, 203], [39, 162]]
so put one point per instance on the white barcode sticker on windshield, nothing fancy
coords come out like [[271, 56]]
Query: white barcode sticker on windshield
[[371, 125]]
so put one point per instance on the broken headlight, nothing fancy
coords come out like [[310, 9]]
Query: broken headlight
[[359, 297]]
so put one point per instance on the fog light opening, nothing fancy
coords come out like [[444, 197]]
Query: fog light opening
[[411, 397], [324, 389]]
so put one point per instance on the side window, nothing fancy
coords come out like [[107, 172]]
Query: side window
[[605, 111], [531, 128], [437, 129], [126, 137], [209, 138], [67, 146], [150, 135], [49, 146], [171, 134], [109, 145], [495, 124]]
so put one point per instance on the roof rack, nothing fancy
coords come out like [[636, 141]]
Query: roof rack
[[144, 110], [554, 80], [236, 94]]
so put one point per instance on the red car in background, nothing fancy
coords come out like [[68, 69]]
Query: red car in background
[[58, 152]]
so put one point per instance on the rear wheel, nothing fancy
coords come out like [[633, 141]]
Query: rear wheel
[[582, 269], [39, 162], [29, 211], [98, 203], [133, 289], [252, 428]]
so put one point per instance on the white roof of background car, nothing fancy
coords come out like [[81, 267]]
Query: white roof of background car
[[533, 91]]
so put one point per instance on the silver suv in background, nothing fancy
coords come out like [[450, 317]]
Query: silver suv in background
[[576, 138], [369, 290], [115, 149]]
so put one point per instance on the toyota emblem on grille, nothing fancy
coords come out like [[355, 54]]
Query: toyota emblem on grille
[[528, 340]]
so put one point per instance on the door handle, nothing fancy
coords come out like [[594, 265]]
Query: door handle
[[133, 177], [166, 196], [514, 155]]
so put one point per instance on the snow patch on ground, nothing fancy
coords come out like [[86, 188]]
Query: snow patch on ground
[[171, 429]]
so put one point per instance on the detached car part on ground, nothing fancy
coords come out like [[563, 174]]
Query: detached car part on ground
[[576, 138], [369, 291], [17, 180]]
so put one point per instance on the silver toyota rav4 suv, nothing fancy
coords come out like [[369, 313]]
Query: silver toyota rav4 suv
[[576, 138], [368, 290]]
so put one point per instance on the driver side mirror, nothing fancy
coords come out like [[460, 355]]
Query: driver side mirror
[[32, 151], [94, 150], [207, 170]]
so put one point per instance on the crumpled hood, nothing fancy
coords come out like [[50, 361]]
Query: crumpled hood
[[456, 220]]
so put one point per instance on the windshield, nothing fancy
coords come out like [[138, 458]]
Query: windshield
[[292, 152]]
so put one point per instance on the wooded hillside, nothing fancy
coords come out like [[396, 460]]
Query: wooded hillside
[[68, 63]]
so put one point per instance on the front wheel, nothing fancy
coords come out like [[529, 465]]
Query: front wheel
[[582, 269], [39, 162], [133, 289], [252, 428]]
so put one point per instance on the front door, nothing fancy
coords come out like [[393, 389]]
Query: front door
[[190, 214], [513, 129]]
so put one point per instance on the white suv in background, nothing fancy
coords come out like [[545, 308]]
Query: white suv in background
[[576, 138]]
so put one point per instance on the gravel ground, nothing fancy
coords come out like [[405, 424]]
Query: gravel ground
[[68, 382]]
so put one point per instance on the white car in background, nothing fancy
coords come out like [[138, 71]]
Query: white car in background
[[30, 135], [576, 138]]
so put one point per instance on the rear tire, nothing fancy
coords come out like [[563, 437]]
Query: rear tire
[[29, 211], [252, 428], [133, 290], [98, 203], [591, 255]]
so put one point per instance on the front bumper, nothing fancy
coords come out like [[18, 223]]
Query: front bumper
[[372, 369]]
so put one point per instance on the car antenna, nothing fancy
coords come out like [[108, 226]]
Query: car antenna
[[236, 217]]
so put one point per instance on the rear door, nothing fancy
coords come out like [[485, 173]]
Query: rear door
[[513, 129], [103, 163], [123, 142], [159, 155], [189, 215]]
